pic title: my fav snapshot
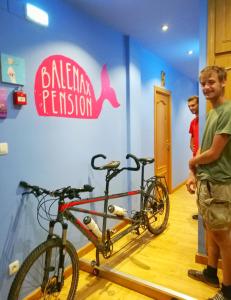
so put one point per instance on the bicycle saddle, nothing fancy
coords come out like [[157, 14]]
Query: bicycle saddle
[[111, 165], [147, 160]]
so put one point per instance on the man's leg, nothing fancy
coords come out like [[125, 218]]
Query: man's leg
[[209, 274], [223, 239], [212, 249]]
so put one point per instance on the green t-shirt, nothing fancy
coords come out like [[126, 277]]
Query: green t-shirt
[[218, 121]]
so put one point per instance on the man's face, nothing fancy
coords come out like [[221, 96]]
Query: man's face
[[193, 105], [211, 87]]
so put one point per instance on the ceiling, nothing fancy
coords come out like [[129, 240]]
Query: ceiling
[[142, 20]]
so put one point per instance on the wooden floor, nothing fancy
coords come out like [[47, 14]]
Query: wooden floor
[[163, 260]]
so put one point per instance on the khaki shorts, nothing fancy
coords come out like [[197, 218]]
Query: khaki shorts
[[214, 204]]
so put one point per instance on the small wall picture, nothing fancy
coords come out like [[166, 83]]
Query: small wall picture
[[12, 69], [3, 103]]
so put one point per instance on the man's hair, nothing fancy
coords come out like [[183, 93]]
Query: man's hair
[[192, 98], [221, 72]]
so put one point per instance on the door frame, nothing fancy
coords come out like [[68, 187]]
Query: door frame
[[159, 90]]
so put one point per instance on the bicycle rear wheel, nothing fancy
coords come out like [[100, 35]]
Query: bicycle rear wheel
[[156, 204], [38, 276]]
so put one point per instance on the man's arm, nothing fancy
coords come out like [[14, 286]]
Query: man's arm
[[210, 155], [213, 153]]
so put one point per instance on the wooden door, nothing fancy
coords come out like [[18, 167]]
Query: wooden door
[[222, 26], [219, 38], [162, 129]]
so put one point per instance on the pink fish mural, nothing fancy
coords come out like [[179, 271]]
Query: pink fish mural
[[63, 89]]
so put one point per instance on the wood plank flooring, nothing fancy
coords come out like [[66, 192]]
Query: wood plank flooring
[[162, 260]]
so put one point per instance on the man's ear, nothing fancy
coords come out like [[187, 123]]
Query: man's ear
[[223, 83]]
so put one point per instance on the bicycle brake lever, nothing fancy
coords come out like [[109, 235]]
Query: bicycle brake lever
[[88, 188]]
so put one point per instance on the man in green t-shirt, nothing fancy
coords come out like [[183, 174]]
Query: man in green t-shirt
[[210, 175]]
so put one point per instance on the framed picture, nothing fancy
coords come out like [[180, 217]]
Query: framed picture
[[162, 77], [12, 69]]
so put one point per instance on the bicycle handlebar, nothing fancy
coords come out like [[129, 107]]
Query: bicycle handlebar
[[136, 168], [93, 161], [67, 192], [129, 155], [71, 193], [38, 191]]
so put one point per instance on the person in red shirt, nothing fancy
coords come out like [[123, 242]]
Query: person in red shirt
[[193, 105]]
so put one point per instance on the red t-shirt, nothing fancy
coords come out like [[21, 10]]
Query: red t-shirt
[[194, 131]]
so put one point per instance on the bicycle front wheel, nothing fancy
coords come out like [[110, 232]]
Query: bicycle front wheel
[[156, 204], [39, 276]]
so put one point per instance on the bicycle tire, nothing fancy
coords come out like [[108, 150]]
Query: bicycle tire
[[156, 204], [31, 273]]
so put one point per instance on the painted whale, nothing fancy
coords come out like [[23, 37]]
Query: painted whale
[[63, 89]]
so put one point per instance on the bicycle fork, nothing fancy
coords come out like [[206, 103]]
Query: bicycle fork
[[54, 283]]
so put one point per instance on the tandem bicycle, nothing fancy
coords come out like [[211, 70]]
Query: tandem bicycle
[[42, 274]]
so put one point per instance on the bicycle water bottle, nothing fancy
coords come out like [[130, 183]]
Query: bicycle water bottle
[[90, 223], [116, 210]]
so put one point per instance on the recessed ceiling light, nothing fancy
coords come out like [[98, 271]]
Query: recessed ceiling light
[[164, 27], [190, 52], [37, 15]]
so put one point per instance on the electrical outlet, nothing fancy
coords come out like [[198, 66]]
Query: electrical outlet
[[13, 267]]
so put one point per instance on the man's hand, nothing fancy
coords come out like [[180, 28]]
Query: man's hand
[[191, 184]]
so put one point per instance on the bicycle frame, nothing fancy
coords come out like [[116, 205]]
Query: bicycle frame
[[65, 211]]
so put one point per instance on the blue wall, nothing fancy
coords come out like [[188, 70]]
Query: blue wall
[[146, 68], [55, 152]]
